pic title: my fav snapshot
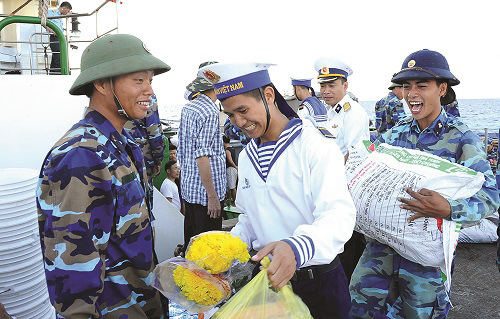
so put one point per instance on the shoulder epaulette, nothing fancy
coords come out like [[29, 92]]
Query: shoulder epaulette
[[325, 132], [457, 123]]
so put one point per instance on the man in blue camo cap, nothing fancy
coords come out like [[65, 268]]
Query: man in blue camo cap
[[389, 110], [384, 284], [93, 198]]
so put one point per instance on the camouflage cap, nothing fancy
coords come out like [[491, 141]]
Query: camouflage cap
[[200, 84], [394, 85]]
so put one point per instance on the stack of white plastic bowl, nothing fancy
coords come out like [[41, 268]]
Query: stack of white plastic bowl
[[23, 289]]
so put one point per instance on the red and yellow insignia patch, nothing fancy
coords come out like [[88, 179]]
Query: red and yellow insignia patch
[[325, 70], [212, 76]]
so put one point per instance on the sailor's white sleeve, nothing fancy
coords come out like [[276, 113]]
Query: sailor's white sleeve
[[302, 113], [333, 212], [358, 126], [243, 228]]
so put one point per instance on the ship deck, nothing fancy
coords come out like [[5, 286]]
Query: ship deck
[[475, 283]]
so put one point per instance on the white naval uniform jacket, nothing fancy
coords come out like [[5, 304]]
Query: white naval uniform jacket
[[348, 123], [304, 199]]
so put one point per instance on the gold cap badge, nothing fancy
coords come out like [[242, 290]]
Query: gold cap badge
[[411, 63], [212, 76], [325, 70]]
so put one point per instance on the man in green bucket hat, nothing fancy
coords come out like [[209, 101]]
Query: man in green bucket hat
[[93, 198], [202, 160]]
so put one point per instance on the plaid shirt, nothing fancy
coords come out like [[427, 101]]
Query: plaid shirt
[[199, 135]]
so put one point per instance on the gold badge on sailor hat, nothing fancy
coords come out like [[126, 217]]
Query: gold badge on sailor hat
[[347, 106], [411, 63], [325, 70], [212, 76]]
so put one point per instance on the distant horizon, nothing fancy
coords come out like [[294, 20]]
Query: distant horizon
[[374, 39], [185, 101]]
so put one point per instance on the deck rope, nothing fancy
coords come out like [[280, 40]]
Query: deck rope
[[43, 8]]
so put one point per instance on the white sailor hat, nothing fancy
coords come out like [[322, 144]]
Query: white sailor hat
[[188, 95], [330, 69], [301, 82], [236, 78]]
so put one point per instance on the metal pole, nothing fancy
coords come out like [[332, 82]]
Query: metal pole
[[50, 24], [19, 9], [486, 139]]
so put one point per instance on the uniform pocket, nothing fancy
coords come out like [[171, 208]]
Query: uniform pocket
[[131, 215]]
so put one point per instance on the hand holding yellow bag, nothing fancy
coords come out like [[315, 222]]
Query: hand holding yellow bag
[[259, 300]]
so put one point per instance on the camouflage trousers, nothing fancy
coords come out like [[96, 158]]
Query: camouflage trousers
[[386, 285]]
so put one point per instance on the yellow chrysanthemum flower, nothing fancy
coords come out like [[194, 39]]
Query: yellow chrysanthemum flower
[[196, 288], [216, 251]]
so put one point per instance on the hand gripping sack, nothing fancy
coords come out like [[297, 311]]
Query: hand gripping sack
[[377, 177], [258, 300]]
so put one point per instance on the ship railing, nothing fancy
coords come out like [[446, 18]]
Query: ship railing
[[64, 37]]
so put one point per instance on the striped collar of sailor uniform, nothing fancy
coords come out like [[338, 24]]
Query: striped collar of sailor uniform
[[315, 109], [270, 151]]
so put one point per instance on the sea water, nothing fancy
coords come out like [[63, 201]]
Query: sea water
[[477, 114]]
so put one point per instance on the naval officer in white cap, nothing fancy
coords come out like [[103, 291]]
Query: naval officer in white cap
[[310, 107], [292, 192], [349, 124], [348, 121]]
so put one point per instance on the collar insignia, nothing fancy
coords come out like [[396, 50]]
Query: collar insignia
[[438, 128], [338, 108], [347, 106]]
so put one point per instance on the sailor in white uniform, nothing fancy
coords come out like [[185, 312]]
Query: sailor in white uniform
[[292, 190], [311, 107], [349, 124], [348, 121]]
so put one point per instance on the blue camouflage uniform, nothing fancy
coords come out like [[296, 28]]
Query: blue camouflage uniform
[[498, 187], [96, 225], [148, 133], [452, 108], [382, 277], [388, 111], [235, 133]]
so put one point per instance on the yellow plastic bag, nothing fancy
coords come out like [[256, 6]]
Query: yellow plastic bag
[[258, 300]]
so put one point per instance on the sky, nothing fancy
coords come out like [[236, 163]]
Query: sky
[[372, 37]]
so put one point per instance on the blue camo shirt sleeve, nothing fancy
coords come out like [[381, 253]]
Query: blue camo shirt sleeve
[[485, 202], [75, 205], [380, 116], [399, 112], [155, 134]]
